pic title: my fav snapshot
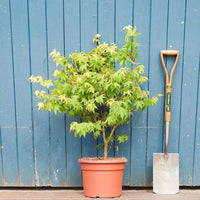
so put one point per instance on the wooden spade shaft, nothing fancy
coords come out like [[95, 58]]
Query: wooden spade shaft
[[168, 90]]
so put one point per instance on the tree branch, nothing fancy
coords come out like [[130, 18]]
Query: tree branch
[[93, 117], [111, 134]]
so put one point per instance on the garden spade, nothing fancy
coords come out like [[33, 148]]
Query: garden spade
[[166, 165]]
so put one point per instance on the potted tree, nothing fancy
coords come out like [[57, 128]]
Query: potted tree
[[89, 86]]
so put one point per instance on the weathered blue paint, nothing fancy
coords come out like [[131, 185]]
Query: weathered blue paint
[[55, 37], [189, 93], [72, 16], [88, 19], [39, 60], [175, 40], [196, 171], [20, 39], [158, 36], [124, 8], [1, 163], [106, 26], [8, 102], [139, 121], [36, 147]]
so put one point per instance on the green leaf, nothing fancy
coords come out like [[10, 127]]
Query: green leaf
[[87, 85], [117, 148], [56, 73], [142, 79], [101, 145], [48, 83], [96, 134], [40, 105], [96, 38], [100, 99], [121, 138]]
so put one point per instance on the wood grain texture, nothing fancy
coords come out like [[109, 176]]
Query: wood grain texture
[[139, 120], [124, 8], [158, 38], [8, 102], [38, 53], [57, 144], [72, 18], [189, 93], [106, 28], [88, 19], [36, 146], [196, 170], [175, 40], [20, 32], [78, 194]]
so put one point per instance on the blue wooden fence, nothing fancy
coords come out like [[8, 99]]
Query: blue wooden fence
[[36, 147]]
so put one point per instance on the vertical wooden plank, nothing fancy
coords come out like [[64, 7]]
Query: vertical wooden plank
[[158, 37], [88, 31], [22, 87], [73, 152], [39, 67], [88, 23], [14, 51], [189, 92], [139, 120], [57, 123], [106, 28], [7, 103], [196, 170], [72, 44], [1, 162], [9, 152], [72, 26], [106, 21], [175, 41], [123, 17]]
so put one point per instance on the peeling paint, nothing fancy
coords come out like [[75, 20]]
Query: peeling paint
[[55, 175], [5, 183], [57, 172], [36, 173]]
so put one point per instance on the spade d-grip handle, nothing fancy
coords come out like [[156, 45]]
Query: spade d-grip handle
[[168, 84]]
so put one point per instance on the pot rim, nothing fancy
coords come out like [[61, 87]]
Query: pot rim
[[110, 160]]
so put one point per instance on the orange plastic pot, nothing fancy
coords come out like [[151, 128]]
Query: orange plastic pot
[[102, 178]]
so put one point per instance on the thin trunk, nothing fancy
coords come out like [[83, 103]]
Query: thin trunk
[[105, 154], [106, 141]]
